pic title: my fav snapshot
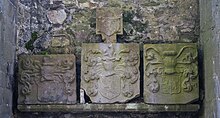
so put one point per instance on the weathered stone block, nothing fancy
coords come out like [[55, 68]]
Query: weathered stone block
[[59, 41], [110, 72], [170, 73], [109, 23], [2, 79], [7, 97], [47, 79], [6, 111], [1, 97], [57, 16]]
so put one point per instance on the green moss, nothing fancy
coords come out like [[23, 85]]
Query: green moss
[[92, 19], [128, 16], [139, 26], [29, 44], [44, 52]]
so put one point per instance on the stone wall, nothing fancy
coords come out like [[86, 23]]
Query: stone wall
[[7, 55], [210, 27], [145, 21]]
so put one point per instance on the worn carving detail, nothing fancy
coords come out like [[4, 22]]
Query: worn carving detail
[[47, 79], [171, 73], [60, 43], [109, 23], [110, 72]]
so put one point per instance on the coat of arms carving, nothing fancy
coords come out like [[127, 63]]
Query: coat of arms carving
[[170, 73], [110, 72], [47, 79]]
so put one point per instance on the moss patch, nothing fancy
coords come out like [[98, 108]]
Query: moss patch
[[29, 44]]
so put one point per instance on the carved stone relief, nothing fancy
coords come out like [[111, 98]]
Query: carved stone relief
[[46, 79], [110, 72], [170, 73], [109, 23], [60, 43]]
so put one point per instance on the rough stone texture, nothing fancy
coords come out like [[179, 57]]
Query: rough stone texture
[[210, 43], [144, 21], [148, 21], [60, 43], [56, 16], [110, 72], [23, 25], [170, 73], [47, 79], [7, 55], [128, 107], [108, 115]]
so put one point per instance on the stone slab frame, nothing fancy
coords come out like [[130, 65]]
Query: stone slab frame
[[170, 73], [47, 79], [210, 48], [110, 72]]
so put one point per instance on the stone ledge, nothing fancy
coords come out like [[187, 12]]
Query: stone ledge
[[130, 107]]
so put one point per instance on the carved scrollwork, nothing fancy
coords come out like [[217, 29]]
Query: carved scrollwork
[[171, 70], [153, 84], [109, 70], [153, 58], [26, 81], [92, 89], [68, 79], [188, 57], [46, 79], [30, 68], [189, 74]]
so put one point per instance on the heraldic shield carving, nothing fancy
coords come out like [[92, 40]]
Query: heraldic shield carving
[[110, 72], [109, 23], [170, 73], [47, 79]]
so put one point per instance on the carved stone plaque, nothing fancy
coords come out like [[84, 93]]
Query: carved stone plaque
[[170, 73], [47, 79], [109, 23], [110, 72]]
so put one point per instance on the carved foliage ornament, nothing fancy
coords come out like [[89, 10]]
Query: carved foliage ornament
[[170, 73], [110, 72], [47, 79]]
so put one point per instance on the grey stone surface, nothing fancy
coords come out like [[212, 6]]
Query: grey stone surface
[[109, 23], [1, 98], [144, 21], [108, 115], [128, 107], [6, 111], [210, 27], [2, 79], [56, 16], [110, 72], [47, 79], [7, 55]]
